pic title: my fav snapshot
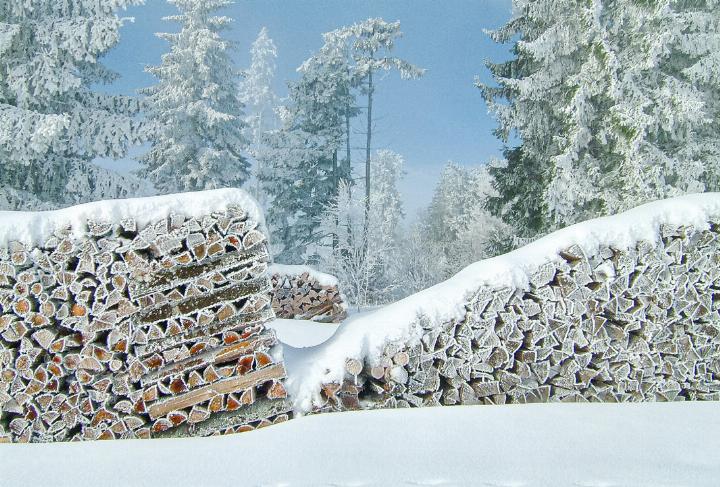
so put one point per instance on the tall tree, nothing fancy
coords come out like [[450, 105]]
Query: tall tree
[[198, 118], [260, 101], [371, 44], [301, 174], [385, 199], [615, 103], [521, 179], [52, 125], [256, 91]]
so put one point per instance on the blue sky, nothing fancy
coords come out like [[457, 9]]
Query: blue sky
[[429, 121]]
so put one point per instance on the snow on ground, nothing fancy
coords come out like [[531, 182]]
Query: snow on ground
[[364, 336], [32, 227], [553, 445], [295, 270], [302, 333]]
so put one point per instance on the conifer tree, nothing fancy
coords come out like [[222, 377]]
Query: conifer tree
[[614, 101], [52, 125], [256, 91], [261, 102], [301, 172], [198, 119], [519, 183], [457, 220]]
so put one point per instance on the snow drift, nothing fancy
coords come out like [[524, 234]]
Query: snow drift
[[540, 445]]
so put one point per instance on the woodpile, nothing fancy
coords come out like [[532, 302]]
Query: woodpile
[[619, 325], [138, 332], [304, 294]]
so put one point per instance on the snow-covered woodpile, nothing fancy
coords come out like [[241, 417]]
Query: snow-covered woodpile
[[124, 328], [641, 324], [302, 293]]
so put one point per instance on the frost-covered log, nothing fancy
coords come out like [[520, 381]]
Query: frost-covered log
[[137, 318], [302, 293], [624, 308]]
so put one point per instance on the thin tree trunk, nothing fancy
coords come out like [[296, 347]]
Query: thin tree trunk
[[348, 166], [335, 195], [367, 145], [257, 184], [335, 173], [257, 162], [366, 229]]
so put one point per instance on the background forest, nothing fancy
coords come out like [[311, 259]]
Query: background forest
[[601, 105]]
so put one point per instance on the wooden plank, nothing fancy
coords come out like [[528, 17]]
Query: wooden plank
[[217, 356], [233, 384], [166, 279], [216, 327], [196, 303]]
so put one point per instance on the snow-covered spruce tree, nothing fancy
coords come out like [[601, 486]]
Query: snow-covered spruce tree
[[51, 124], [364, 266], [256, 91], [519, 184], [296, 179], [300, 167], [615, 103], [457, 220], [371, 43], [260, 101], [197, 141], [385, 199], [522, 179], [664, 121]]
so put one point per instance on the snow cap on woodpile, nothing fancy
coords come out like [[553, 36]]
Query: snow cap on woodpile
[[297, 270], [364, 337], [33, 227]]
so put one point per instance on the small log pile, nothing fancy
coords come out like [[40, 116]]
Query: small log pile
[[620, 325], [130, 332], [301, 294]]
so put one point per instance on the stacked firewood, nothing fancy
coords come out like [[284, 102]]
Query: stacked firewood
[[129, 332], [619, 325], [301, 294]]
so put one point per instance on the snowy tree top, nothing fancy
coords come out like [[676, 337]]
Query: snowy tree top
[[371, 43], [194, 110]]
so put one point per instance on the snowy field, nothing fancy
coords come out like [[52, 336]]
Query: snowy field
[[553, 445]]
